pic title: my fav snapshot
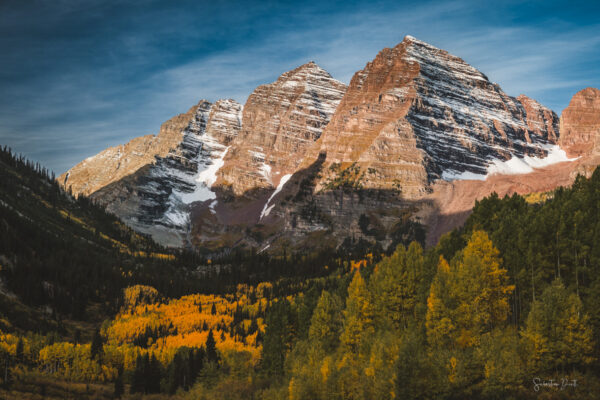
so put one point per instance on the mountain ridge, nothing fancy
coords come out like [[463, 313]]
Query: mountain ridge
[[414, 120]]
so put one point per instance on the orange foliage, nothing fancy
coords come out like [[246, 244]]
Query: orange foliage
[[163, 328]]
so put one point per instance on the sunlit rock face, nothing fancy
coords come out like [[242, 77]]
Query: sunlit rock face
[[280, 121], [417, 113], [308, 162], [580, 124]]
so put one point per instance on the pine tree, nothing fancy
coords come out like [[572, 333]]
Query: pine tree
[[137, 380], [153, 375], [358, 316], [438, 321], [96, 346], [557, 331], [211, 348], [119, 388], [19, 356], [277, 337], [395, 286], [326, 322], [470, 297]]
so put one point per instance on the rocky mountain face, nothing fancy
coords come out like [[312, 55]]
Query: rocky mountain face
[[153, 195], [281, 120], [580, 124], [118, 162], [417, 136], [416, 113]]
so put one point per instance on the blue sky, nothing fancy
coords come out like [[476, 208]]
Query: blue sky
[[79, 76]]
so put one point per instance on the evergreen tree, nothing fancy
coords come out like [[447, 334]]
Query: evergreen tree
[[557, 331], [97, 345], [19, 356], [439, 322], [277, 338], [138, 383], [470, 297], [396, 286], [326, 322], [358, 316], [119, 388], [211, 348], [153, 375]]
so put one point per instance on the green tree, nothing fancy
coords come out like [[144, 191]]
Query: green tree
[[19, 352], [557, 332], [137, 380], [358, 316], [326, 322], [277, 338], [211, 348], [471, 296], [438, 322], [97, 345], [119, 388], [395, 286]]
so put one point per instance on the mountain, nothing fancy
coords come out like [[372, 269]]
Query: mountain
[[416, 138], [416, 113], [280, 122], [154, 193], [150, 182], [62, 257]]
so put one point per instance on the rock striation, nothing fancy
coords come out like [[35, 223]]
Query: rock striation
[[280, 121], [417, 113], [115, 163], [156, 196], [580, 124], [307, 162]]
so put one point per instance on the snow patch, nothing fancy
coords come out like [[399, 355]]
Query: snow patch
[[451, 175], [527, 164], [264, 248], [266, 209], [212, 206], [513, 166], [204, 181]]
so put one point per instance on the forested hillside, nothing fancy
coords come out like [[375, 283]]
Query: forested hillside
[[505, 307], [67, 253]]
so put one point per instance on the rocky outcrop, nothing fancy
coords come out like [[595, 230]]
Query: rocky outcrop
[[280, 121], [580, 124], [541, 121]]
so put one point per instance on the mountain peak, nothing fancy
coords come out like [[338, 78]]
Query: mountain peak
[[411, 40], [305, 72]]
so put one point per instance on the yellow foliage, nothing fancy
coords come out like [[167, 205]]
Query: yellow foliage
[[184, 322]]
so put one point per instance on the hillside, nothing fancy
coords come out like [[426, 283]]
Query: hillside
[[65, 255]]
